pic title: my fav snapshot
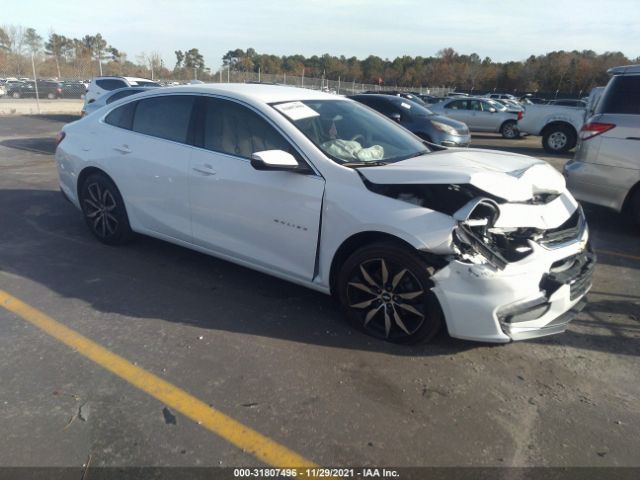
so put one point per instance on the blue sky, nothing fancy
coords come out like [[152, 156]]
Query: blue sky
[[498, 29]]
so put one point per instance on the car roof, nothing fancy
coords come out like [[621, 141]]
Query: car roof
[[129, 79], [624, 69], [251, 92], [383, 96]]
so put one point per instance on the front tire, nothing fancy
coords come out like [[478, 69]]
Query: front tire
[[558, 139], [385, 291], [104, 210], [509, 129], [15, 95], [51, 96]]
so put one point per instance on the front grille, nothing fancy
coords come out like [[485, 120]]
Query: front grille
[[569, 231], [578, 276]]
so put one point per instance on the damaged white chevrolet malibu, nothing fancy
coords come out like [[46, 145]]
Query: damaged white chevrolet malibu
[[324, 192]]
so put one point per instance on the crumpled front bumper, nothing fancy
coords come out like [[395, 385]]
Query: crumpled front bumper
[[534, 297]]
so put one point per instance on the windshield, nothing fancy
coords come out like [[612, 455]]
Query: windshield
[[348, 132]]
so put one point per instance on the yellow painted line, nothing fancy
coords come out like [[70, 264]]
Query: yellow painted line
[[234, 432], [616, 254]]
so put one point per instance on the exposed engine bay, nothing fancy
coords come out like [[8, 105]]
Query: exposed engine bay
[[491, 229]]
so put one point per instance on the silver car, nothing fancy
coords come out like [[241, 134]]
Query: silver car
[[481, 115], [606, 167]]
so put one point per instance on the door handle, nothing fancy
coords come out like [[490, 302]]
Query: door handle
[[205, 169], [122, 149]]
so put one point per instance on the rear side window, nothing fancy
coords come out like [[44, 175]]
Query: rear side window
[[141, 83], [382, 105], [621, 96], [457, 105], [119, 95], [122, 116], [234, 129], [110, 83], [164, 117]]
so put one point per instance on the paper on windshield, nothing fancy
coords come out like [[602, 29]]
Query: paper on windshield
[[296, 110], [405, 105]]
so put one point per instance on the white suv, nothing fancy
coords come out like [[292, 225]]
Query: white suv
[[100, 85], [327, 193]]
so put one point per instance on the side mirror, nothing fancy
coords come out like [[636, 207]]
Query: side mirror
[[275, 160], [492, 110], [396, 117]]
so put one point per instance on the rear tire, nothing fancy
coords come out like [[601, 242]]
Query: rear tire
[[385, 291], [104, 210], [509, 129], [51, 96], [559, 139], [15, 95]]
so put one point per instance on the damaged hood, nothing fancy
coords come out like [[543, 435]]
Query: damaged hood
[[512, 177]]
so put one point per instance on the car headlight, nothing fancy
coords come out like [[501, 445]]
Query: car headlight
[[443, 127]]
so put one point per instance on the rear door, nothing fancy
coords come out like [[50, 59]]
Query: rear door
[[149, 160]]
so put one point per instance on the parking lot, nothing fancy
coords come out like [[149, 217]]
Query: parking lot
[[278, 359]]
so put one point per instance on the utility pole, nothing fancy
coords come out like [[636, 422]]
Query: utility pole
[[35, 82], [302, 83]]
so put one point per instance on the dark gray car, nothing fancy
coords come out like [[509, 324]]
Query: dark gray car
[[419, 120]]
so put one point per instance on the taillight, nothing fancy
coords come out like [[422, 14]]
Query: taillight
[[59, 137], [520, 115], [592, 129]]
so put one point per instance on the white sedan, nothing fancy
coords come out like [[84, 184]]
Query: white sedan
[[324, 192]]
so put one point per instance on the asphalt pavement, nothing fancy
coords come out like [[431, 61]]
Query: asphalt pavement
[[277, 358]]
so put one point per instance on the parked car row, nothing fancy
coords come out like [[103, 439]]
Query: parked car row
[[25, 88]]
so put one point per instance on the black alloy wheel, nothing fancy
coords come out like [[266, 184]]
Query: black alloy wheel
[[104, 210], [385, 291]]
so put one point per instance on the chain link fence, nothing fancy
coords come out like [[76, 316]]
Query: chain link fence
[[35, 85]]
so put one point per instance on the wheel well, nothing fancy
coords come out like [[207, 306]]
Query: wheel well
[[355, 242], [84, 174], [558, 123], [627, 201], [513, 120]]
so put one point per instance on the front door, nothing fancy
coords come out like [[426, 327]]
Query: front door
[[268, 218]]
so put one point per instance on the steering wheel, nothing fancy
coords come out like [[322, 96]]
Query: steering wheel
[[357, 135]]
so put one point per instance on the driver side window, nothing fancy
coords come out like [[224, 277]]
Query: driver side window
[[236, 130]]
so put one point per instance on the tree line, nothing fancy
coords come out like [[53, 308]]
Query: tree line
[[566, 71], [572, 72]]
